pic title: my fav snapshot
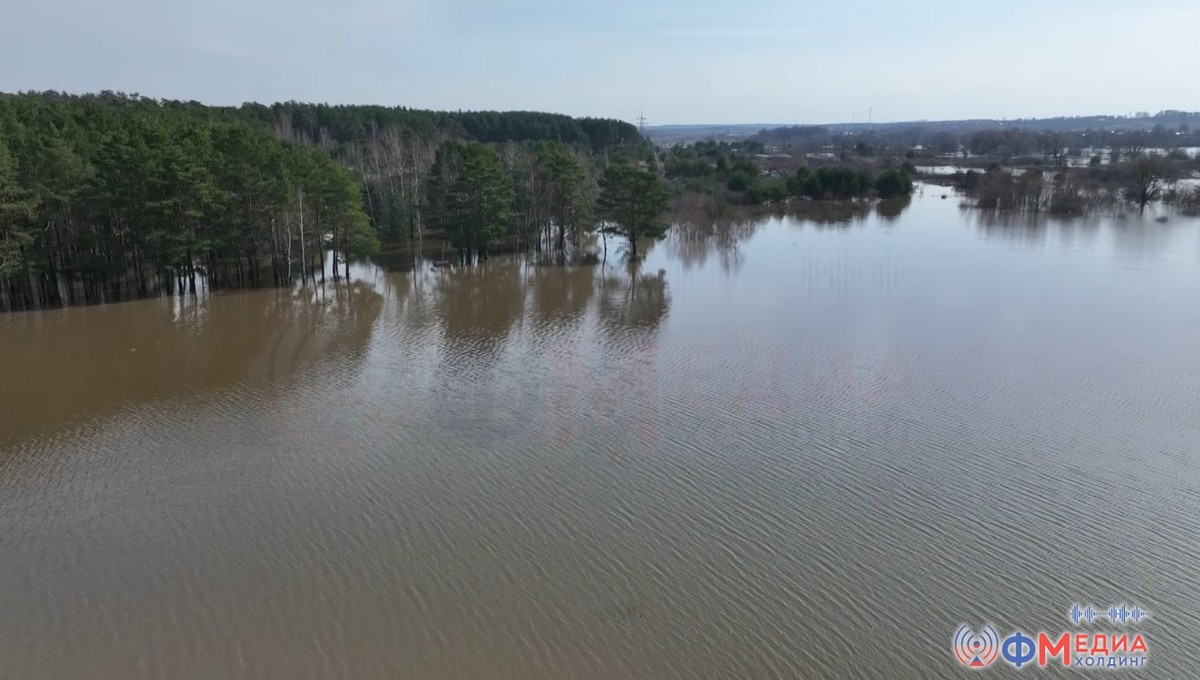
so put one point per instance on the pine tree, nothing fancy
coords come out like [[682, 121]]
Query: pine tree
[[632, 203]]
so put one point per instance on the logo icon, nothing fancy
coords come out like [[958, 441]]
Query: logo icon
[[976, 650], [1090, 650], [1117, 614]]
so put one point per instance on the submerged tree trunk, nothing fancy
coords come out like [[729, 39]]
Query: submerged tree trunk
[[303, 259]]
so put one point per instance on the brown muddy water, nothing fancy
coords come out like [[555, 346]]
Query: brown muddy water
[[783, 448]]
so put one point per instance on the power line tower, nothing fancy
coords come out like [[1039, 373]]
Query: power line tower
[[642, 123]]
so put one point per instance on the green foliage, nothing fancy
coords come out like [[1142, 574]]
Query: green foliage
[[16, 209], [832, 182], [361, 241], [570, 198], [394, 220], [966, 181], [740, 180], [349, 124], [471, 195], [633, 202], [893, 184], [129, 196], [689, 168], [768, 191], [797, 183], [340, 201], [733, 170], [128, 200]]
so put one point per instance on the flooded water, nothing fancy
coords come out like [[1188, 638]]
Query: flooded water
[[786, 448]]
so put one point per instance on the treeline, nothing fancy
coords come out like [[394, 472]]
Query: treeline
[[1144, 121], [539, 197], [1138, 183], [1057, 148], [842, 183], [110, 197], [345, 124], [1030, 144], [100, 204], [734, 170]]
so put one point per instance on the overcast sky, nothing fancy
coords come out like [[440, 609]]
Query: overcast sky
[[693, 61]]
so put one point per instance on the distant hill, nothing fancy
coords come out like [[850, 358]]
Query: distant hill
[[1173, 120], [670, 134]]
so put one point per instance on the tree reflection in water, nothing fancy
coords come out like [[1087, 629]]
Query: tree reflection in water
[[631, 306], [478, 307], [890, 209], [160, 350], [840, 214], [631, 299], [697, 237]]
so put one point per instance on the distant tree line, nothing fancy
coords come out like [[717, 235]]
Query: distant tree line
[[1137, 182], [1018, 140], [111, 196], [735, 172]]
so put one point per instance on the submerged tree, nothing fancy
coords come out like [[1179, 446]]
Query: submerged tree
[[570, 198], [350, 229], [894, 183], [100, 204], [470, 196], [16, 209], [632, 203], [554, 193], [108, 197], [1147, 179]]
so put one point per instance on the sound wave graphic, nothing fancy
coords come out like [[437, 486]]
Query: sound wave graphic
[[1117, 614], [976, 650], [1122, 613]]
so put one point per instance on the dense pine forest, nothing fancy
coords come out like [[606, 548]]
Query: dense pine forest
[[111, 197]]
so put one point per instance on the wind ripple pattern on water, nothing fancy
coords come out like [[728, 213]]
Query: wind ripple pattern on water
[[797, 448]]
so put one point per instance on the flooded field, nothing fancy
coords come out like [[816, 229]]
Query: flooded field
[[788, 447]]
